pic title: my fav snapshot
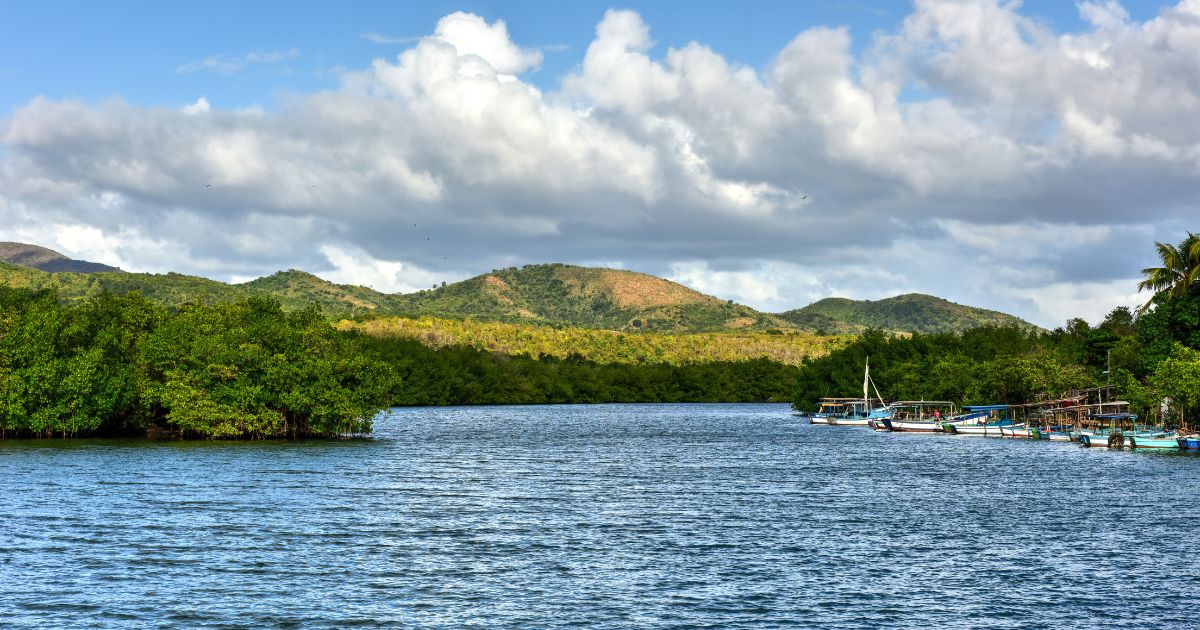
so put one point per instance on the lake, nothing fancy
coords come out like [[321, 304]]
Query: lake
[[612, 515]]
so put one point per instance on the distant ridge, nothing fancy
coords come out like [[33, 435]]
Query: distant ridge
[[912, 312], [588, 297], [556, 295], [47, 259]]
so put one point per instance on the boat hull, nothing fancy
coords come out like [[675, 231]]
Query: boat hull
[[1018, 432], [1164, 442], [972, 429], [849, 422], [916, 427]]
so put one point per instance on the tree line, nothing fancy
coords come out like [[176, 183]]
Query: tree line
[[124, 364], [1152, 355], [110, 365]]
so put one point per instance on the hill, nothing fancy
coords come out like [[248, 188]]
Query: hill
[[602, 346], [586, 297], [912, 312], [553, 295], [47, 259]]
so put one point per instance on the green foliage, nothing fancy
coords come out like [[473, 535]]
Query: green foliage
[[1179, 273], [111, 364], [980, 366], [603, 346], [463, 376], [913, 312]]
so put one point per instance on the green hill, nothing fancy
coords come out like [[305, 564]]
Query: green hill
[[912, 312], [585, 297], [554, 294]]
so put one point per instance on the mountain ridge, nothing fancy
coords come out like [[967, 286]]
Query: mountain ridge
[[552, 294], [45, 259], [909, 312]]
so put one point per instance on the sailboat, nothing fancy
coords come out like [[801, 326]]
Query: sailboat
[[861, 414]]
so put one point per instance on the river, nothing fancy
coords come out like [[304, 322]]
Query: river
[[611, 515]]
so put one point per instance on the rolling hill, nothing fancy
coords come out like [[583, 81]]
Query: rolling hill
[[586, 297], [912, 312], [554, 295], [47, 259]]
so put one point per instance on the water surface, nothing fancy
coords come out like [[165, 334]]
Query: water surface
[[614, 515]]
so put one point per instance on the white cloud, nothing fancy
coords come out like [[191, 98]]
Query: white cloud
[[471, 35], [354, 266], [227, 65], [1037, 160]]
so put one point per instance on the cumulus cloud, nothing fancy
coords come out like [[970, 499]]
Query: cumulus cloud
[[971, 152]]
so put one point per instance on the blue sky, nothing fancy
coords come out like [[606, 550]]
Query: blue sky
[[1018, 157], [97, 50]]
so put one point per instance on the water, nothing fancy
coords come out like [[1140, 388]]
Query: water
[[620, 515]]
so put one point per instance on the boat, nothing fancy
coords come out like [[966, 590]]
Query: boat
[[831, 409], [1159, 440], [1112, 436], [985, 420], [1188, 442], [916, 416], [861, 411]]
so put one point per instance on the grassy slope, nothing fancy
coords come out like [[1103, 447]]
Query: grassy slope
[[912, 312], [294, 289], [585, 297], [602, 346]]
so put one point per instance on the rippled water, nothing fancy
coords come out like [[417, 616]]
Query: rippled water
[[619, 515]]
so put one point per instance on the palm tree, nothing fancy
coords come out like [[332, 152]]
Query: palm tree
[[1179, 271]]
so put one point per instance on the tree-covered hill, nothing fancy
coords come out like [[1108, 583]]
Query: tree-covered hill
[[554, 295], [586, 297], [791, 347], [912, 312]]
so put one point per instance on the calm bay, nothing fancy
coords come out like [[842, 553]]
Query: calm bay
[[607, 515]]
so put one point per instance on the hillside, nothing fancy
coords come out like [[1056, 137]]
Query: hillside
[[297, 289], [585, 297], [602, 346], [553, 295], [47, 259], [913, 312]]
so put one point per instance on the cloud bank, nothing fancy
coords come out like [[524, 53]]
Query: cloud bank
[[972, 153]]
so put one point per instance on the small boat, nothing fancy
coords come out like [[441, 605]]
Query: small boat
[[1160, 440], [1188, 442], [860, 412], [985, 420], [916, 416], [831, 409], [1019, 431]]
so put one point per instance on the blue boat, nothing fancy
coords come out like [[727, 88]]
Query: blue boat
[[1189, 442]]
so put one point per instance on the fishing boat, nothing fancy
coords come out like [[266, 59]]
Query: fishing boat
[[1188, 442], [985, 420], [917, 416], [831, 409], [1112, 436], [861, 412], [1158, 440]]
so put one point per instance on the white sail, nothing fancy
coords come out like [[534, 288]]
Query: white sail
[[866, 381]]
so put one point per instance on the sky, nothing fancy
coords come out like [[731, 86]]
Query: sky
[[1019, 157]]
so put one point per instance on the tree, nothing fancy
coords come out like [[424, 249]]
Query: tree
[[1180, 270]]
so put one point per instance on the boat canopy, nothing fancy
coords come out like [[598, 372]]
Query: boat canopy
[[985, 407]]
